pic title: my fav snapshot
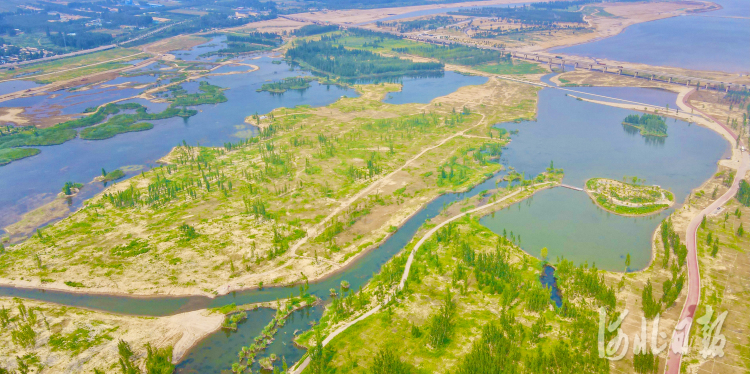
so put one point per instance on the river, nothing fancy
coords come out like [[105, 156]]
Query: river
[[585, 139]]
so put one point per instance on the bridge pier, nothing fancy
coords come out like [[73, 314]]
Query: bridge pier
[[591, 67], [652, 77], [670, 79], [636, 74], [575, 65], [537, 58]]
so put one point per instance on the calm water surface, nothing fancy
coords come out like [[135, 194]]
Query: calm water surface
[[588, 140], [701, 41]]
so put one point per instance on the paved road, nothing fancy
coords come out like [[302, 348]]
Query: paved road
[[694, 281]]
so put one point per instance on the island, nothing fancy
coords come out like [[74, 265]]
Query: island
[[628, 199], [649, 124]]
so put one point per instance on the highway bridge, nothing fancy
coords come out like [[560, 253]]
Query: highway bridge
[[620, 70]]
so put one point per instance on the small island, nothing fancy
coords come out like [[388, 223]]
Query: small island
[[648, 124], [291, 83], [111, 176], [628, 199]]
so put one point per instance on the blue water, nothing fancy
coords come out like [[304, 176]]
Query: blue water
[[588, 140], [64, 102], [548, 280], [31, 182], [16, 85], [194, 54], [430, 88], [702, 41]]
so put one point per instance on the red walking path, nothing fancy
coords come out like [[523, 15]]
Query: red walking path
[[694, 281]]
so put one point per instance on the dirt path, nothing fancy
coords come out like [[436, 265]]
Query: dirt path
[[317, 229]]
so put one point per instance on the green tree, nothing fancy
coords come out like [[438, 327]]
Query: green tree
[[441, 323], [126, 353], [545, 252], [386, 362]]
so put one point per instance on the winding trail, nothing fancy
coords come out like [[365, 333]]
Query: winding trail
[[317, 229], [301, 367], [694, 279]]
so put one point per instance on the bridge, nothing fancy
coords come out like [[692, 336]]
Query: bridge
[[571, 187], [579, 63], [627, 71]]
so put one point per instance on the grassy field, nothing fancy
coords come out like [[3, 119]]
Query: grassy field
[[9, 155], [249, 202], [70, 63], [516, 67]]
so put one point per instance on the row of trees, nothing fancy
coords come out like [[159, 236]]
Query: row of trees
[[333, 59], [528, 15]]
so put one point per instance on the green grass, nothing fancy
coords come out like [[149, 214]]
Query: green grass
[[516, 67], [72, 62], [112, 128], [9, 155], [113, 175]]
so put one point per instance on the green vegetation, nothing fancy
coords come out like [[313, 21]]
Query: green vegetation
[[527, 15], [158, 360], [328, 58], [79, 340], [244, 43], [273, 188], [70, 186], [628, 198], [112, 128], [648, 124], [431, 23], [291, 83], [512, 67], [248, 354], [105, 122], [111, 176], [743, 194], [466, 279], [13, 154], [456, 54], [231, 321], [313, 29], [487, 60]]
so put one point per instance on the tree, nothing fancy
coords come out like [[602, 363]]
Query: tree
[[650, 306], [159, 360], [386, 362], [627, 262], [126, 353], [544, 253], [743, 195], [104, 173], [318, 357], [441, 323]]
